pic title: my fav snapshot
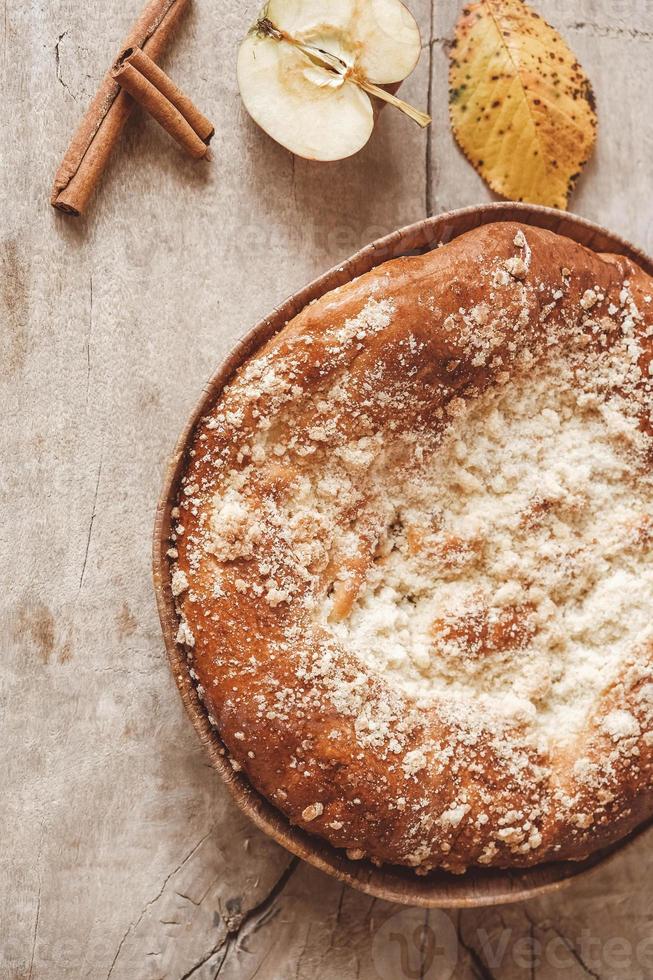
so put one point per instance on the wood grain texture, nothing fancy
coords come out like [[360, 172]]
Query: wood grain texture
[[122, 854]]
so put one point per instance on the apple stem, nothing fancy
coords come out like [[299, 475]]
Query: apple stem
[[421, 118], [331, 62]]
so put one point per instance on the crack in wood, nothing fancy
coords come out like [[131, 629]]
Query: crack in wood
[[258, 916], [481, 969], [205, 959], [428, 201], [444, 41], [574, 952], [134, 925], [36, 932], [88, 338], [423, 966], [293, 181], [254, 918], [38, 906], [57, 59], [568, 944], [90, 526], [336, 916], [340, 903], [304, 950], [609, 30], [187, 898]]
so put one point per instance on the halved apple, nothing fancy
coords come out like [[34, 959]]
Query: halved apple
[[307, 68]]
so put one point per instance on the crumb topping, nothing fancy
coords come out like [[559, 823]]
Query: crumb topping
[[412, 556]]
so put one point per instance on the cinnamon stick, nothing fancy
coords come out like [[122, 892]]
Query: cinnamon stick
[[158, 94], [150, 70], [90, 148]]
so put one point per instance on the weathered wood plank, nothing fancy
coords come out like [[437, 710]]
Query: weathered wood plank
[[123, 855]]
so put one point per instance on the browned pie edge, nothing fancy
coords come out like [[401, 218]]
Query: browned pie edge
[[477, 887]]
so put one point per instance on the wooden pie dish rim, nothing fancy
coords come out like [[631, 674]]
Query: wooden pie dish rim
[[477, 887]]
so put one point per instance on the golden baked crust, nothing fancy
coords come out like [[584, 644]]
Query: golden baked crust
[[412, 557]]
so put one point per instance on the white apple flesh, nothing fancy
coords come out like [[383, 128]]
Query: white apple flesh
[[307, 66], [308, 109]]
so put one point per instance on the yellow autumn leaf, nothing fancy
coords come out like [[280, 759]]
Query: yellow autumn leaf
[[522, 108]]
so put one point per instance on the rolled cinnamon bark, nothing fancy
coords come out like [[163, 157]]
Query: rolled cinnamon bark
[[165, 85], [160, 109], [90, 148]]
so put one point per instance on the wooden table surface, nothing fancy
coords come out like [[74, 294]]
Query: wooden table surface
[[122, 855]]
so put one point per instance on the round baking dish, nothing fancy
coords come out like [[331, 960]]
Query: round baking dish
[[439, 889]]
